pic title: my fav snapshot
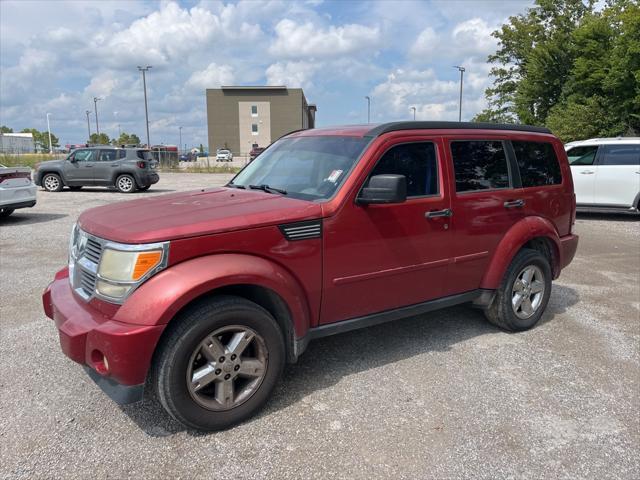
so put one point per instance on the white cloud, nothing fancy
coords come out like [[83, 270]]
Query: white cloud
[[299, 40], [292, 74], [213, 76]]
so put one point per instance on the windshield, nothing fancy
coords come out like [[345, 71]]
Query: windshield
[[309, 168]]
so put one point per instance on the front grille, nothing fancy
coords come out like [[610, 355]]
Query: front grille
[[86, 251], [93, 250], [87, 282]]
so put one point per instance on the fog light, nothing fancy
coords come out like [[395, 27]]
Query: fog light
[[113, 291], [100, 363]]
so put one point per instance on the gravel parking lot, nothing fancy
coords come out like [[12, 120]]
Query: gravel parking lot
[[444, 395]]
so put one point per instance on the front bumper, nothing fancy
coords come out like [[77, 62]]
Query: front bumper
[[87, 336]]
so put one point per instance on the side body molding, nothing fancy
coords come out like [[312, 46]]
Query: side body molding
[[519, 234], [158, 300]]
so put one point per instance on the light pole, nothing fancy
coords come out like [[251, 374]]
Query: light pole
[[414, 112], [180, 144], [95, 107], [368, 109], [144, 70], [49, 128], [461, 70], [119, 131], [88, 112]]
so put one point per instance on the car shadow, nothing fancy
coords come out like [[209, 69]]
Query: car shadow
[[610, 217], [28, 218], [326, 361]]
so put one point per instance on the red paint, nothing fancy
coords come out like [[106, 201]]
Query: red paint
[[369, 259]]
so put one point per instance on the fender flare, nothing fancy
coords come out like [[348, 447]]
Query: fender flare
[[161, 297], [519, 234], [56, 170]]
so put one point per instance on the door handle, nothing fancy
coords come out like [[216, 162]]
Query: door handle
[[114, 164], [88, 166], [447, 212], [514, 203], [587, 172]]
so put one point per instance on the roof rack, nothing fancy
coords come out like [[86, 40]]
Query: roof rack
[[395, 126]]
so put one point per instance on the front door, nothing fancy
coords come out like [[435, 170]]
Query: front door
[[381, 257], [583, 170], [80, 170]]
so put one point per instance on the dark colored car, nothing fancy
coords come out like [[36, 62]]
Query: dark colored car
[[188, 157], [127, 169], [205, 295], [255, 151]]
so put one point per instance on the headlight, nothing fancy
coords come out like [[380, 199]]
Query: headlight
[[122, 270]]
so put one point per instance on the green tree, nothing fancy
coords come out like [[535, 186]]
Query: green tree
[[4, 129], [41, 139], [101, 139], [126, 139]]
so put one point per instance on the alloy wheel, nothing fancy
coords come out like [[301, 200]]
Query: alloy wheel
[[125, 184], [51, 182], [528, 291]]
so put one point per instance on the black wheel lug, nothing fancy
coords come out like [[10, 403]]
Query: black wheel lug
[[227, 376], [236, 368], [218, 371], [221, 359]]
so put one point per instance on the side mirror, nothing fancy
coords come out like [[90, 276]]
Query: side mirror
[[384, 189], [72, 158]]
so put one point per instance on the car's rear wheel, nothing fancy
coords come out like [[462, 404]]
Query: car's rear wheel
[[126, 183], [524, 293], [5, 212], [219, 363], [52, 182]]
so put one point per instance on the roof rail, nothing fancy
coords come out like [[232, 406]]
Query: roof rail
[[421, 125]]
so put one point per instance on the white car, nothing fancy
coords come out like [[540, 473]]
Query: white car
[[16, 189], [606, 173], [224, 155]]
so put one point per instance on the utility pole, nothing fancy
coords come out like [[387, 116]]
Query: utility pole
[[49, 128], [144, 70], [119, 131], [414, 112], [180, 144], [95, 107], [368, 109], [461, 70], [88, 112]]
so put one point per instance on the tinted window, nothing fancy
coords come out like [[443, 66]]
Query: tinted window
[[582, 155], [479, 165], [254, 128], [84, 155], [537, 163], [144, 154], [107, 155], [122, 153], [621, 155], [417, 162], [254, 109]]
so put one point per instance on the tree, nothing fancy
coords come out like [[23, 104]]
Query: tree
[[102, 139], [126, 139], [41, 139], [4, 129], [569, 67]]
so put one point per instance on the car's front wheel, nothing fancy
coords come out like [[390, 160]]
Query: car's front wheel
[[524, 293], [219, 363], [126, 183], [52, 182]]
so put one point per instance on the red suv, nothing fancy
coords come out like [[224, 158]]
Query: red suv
[[207, 294]]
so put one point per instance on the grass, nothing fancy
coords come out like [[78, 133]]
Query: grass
[[26, 159]]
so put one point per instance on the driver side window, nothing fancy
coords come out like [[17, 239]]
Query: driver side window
[[83, 155], [417, 162]]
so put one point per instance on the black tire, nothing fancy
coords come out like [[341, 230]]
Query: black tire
[[173, 358], [52, 182], [5, 212], [145, 188], [126, 183], [75, 188], [502, 312]]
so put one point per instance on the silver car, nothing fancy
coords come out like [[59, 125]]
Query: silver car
[[16, 189]]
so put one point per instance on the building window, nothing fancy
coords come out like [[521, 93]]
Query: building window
[[254, 110], [254, 129]]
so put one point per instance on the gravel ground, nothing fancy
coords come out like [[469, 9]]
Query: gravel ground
[[443, 395]]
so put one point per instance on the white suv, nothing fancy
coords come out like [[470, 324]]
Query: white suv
[[606, 173]]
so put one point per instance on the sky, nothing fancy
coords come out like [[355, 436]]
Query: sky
[[56, 55]]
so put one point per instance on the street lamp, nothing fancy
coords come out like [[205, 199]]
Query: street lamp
[[88, 112], [368, 109], [49, 128], [95, 107], [180, 144], [461, 70], [144, 70], [414, 112]]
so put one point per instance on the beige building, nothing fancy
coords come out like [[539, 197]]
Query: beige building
[[239, 118]]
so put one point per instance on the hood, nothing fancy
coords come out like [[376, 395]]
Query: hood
[[48, 163], [188, 214]]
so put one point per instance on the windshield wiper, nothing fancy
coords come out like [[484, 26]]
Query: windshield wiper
[[233, 185], [268, 189]]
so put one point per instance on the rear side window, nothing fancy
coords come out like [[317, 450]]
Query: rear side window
[[537, 163], [417, 162], [122, 153], [479, 165], [144, 155], [621, 155], [582, 155], [107, 155]]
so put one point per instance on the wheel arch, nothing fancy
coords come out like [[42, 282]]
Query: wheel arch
[[55, 170], [532, 232]]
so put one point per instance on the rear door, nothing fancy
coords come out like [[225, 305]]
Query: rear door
[[486, 203], [106, 165], [582, 160], [617, 178], [80, 171]]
